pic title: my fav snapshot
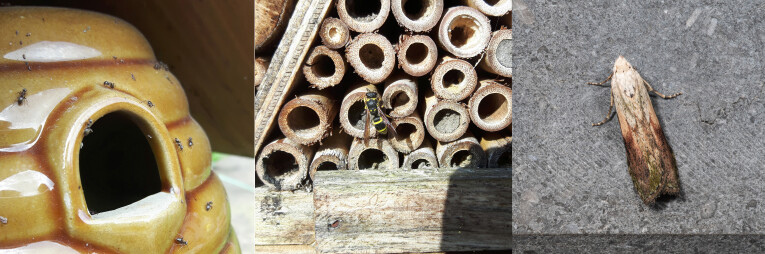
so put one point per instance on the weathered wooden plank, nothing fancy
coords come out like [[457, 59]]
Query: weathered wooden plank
[[278, 249], [413, 211], [283, 217]]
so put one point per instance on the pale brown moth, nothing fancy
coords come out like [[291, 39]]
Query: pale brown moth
[[650, 159]]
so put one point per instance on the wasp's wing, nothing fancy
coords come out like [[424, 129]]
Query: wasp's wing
[[366, 126], [386, 121]]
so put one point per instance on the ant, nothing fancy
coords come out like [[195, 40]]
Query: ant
[[22, 96], [178, 142]]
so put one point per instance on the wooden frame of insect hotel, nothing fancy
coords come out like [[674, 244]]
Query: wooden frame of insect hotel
[[386, 126]]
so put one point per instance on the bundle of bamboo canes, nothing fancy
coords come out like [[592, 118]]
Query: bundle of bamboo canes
[[422, 65]]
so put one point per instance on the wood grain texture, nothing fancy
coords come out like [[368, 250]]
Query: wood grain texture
[[285, 63], [413, 211], [277, 249], [283, 217]]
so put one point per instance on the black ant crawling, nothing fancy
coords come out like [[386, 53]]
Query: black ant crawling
[[109, 84], [180, 241], [22, 96], [88, 130], [178, 142], [190, 143], [151, 105], [208, 206]]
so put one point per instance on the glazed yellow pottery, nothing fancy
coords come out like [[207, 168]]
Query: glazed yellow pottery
[[98, 151]]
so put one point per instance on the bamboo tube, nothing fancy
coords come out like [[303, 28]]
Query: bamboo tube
[[271, 18], [499, 54], [417, 15], [400, 96], [411, 133], [465, 152], [464, 31], [307, 118], [423, 157], [324, 67], [377, 154], [332, 154], [445, 120], [363, 16], [491, 106], [372, 57], [453, 79], [352, 113], [417, 54], [334, 33], [261, 65], [498, 149], [492, 7], [283, 164]]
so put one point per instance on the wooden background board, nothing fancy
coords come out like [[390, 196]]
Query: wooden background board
[[284, 67], [209, 48], [413, 211], [283, 217]]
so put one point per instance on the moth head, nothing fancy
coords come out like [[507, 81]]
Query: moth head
[[621, 64]]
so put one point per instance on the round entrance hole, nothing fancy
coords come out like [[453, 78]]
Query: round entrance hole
[[117, 164]]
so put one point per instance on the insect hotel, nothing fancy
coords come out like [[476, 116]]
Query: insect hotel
[[383, 126]]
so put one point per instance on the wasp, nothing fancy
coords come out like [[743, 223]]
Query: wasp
[[22, 96], [376, 116]]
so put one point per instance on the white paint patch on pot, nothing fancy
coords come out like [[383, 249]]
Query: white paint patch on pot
[[52, 51]]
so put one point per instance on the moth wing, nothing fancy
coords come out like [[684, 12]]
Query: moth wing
[[640, 140]]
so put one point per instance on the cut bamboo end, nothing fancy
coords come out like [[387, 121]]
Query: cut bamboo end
[[261, 65], [353, 116], [400, 96], [417, 54], [283, 165], [308, 118], [453, 79], [464, 31], [422, 158], [499, 54], [492, 7], [332, 154], [377, 154], [491, 107], [363, 16], [445, 120], [465, 152], [410, 133], [334, 33], [372, 57], [498, 149], [324, 67], [417, 15]]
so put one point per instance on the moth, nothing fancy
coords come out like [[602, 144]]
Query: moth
[[651, 161]]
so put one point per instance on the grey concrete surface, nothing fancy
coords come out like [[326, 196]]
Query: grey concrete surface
[[238, 176], [571, 178]]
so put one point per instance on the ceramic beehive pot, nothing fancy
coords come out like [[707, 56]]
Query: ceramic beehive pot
[[98, 151]]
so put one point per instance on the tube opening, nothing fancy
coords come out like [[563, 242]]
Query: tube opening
[[303, 121], [416, 53], [399, 99], [493, 108], [280, 164], [372, 159], [461, 159], [453, 79], [371, 56], [323, 66], [327, 165], [463, 28], [416, 9], [363, 11], [505, 159], [421, 163], [447, 120], [357, 115], [406, 132]]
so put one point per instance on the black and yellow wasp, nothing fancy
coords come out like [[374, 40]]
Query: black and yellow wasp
[[376, 116]]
